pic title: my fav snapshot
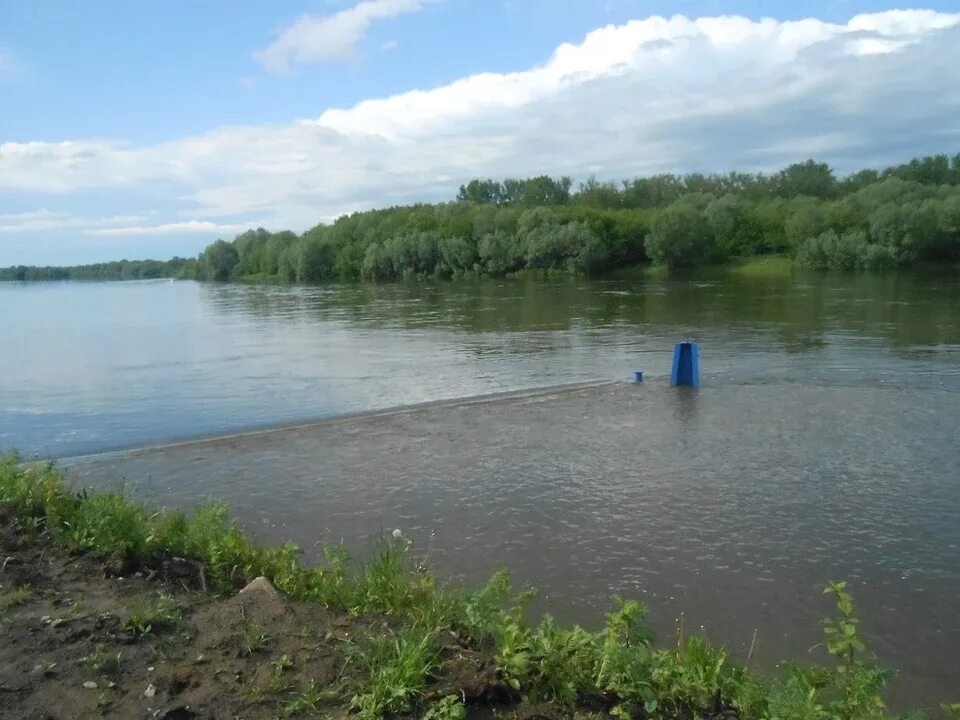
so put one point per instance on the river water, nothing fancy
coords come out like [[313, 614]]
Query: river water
[[824, 442]]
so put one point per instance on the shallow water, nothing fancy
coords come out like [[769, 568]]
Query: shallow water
[[823, 444]]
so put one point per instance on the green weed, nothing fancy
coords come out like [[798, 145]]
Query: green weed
[[106, 525], [396, 668], [150, 616], [282, 664], [255, 638], [17, 596], [449, 708], [102, 661], [45, 667], [310, 700]]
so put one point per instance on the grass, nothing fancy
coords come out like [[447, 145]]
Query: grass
[[395, 668], [390, 666], [765, 266], [255, 638], [310, 700], [17, 596], [150, 616], [103, 662]]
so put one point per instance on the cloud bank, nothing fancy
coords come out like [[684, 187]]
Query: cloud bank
[[659, 94]]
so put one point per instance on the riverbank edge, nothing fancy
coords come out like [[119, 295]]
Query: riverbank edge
[[758, 266], [405, 643]]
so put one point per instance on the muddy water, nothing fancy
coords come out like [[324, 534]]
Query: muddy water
[[823, 444]]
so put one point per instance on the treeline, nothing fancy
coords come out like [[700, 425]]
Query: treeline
[[869, 220], [118, 270]]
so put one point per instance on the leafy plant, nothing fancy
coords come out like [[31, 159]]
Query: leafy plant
[[843, 640], [282, 664], [106, 525], [149, 616], [396, 667], [450, 707]]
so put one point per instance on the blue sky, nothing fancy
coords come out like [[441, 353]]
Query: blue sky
[[149, 129]]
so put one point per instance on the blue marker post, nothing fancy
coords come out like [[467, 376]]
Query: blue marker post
[[638, 376], [686, 365]]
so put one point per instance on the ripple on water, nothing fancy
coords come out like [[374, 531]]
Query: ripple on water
[[732, 500]]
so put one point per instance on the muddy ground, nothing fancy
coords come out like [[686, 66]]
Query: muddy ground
[[70, 646]]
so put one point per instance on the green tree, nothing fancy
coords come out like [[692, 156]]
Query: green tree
[[811, 178], [679, 236], [219, 260]]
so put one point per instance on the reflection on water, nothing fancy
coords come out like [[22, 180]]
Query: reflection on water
[[824, 442], [87, 367]]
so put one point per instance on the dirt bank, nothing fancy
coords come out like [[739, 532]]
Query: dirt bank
[[82, 640]]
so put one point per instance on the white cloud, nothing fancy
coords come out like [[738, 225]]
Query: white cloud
[[203, 227], [653, 95], [389, 45], [330, 38], [43, 219]]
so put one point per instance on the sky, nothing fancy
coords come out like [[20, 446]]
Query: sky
[[149, 129]]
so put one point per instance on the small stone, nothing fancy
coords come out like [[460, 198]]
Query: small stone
[[150, 691], [260, 585], [90, 685], [57, 622], [201, 658], [45, 620], [150, 669]]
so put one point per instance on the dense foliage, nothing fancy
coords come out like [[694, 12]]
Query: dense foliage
[[618, 667], [117, 270], [869, 220]]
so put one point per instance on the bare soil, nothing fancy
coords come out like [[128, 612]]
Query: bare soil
[[66, 651]]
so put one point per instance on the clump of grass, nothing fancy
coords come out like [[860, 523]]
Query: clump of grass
[[151, 616], [106, 663], [396, 668], [282, 664], [45, 667], [18, 596], [255, 637], [311, 699], [106, 525]]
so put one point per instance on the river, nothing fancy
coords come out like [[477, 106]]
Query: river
[[823, 443]]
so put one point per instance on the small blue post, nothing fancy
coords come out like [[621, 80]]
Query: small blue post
[[686, 365], [638, 376]]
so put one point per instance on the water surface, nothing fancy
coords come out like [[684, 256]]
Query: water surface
[[823, 444]]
